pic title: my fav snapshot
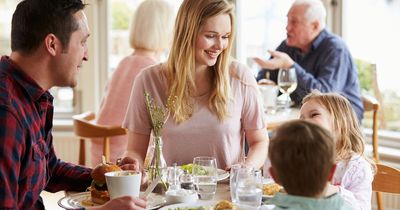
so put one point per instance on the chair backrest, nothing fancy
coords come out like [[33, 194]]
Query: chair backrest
[[371, 104], [387, 179], [84, 127]]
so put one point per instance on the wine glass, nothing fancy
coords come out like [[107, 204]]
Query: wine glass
[[287, 82], [205, 177]]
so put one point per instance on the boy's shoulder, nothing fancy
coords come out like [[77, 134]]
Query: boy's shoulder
[[291, 202]]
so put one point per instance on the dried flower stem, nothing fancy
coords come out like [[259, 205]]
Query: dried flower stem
[[158, 117]]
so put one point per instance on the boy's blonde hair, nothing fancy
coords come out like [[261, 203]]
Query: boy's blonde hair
[[180, 68], [152, 25], [302, 156], [347, 131]]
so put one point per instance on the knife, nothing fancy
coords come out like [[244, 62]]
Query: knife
[[151, 187]]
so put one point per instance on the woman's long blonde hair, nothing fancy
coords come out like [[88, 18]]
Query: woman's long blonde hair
[[347, 131], [180, 67]]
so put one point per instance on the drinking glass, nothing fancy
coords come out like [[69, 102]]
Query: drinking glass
[[233, 180], [287, 82], [173, 174], [249, 188], [205, 177]]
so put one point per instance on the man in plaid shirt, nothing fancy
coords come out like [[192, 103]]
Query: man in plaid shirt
[[49, 45]]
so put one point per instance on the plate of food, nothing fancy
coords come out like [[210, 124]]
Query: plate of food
[[84, 200], [222, 174], [270, 189], [202, 205], [98, 192]]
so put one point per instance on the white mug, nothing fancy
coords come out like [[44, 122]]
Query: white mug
[[120, 183]]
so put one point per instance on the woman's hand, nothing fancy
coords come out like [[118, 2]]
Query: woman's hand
[[128, 163]]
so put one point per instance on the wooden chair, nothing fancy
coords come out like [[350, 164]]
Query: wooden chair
[[387, 180], [84, 127], [371, 104]]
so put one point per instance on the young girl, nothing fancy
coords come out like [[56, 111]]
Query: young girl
[[354, 172]]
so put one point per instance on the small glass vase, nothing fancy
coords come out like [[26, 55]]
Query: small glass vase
[[157, 166]]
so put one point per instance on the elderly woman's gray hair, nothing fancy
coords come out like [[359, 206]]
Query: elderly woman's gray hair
[[152, 25]]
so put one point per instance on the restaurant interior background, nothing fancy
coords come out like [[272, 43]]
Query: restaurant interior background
[[369, 27]]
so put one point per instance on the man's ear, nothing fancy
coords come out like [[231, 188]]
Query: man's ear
[[51, 44], [315, 25], [332, 172]]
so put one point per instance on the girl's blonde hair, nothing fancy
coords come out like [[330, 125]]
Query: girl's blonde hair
[[180, 67], [151, 25], [347, 130]]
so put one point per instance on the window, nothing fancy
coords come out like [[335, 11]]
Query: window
[[64, 105], [370, 28], [261, 26]]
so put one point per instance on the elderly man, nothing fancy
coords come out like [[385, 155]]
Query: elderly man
[[321, 60]]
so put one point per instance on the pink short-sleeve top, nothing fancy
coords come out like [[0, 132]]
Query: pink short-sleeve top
[[202, 134]]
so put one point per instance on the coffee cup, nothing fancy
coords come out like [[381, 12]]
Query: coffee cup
[[121, 183]]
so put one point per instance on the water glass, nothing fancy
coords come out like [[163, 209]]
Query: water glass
[[205, 177], [269, 94], [233, 179], [249, 188], [174, 173]]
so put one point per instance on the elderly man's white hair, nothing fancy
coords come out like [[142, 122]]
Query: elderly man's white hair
[[315, 11]]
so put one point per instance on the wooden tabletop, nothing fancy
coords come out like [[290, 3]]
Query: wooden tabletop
[[280, 117]]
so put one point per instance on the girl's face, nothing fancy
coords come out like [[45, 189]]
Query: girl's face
[[213, 38], [314, 112]]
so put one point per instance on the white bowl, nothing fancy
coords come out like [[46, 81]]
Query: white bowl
[[181, 196]]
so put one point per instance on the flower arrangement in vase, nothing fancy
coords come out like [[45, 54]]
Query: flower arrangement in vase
[[155, 163]]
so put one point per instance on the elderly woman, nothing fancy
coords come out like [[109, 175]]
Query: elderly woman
[[150, 35]]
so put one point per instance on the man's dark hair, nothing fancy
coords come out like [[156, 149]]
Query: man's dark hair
[[33, 20]]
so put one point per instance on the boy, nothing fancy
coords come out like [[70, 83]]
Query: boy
[[302, 158]]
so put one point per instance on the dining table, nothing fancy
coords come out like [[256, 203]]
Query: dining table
[[275, 119], [77, 199], [223, 193]]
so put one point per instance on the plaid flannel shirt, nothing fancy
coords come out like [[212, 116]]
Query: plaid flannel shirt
[[28, 163]]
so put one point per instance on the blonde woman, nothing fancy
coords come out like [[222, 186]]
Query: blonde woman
[[354, 172], [150, 35], [213, 100]]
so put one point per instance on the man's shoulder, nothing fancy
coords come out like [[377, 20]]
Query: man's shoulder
[[333, 40], [5, 87], [9, 98]]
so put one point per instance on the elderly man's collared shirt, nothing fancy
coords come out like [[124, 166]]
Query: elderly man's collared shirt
[[28, 163], [328, 67]]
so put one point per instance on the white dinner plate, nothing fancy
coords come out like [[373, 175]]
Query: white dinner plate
[[222, 174], [208, 204], [82, 200]]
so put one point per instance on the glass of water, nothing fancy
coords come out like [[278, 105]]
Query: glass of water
[[233, 180], [205, 177], [249, 188]]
